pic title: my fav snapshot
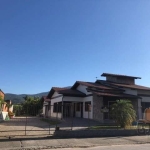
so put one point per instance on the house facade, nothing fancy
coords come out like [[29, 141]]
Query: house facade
[[93, 99], [2, 94]]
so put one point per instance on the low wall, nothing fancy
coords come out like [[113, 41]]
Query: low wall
[[3, 115], [94, 133]]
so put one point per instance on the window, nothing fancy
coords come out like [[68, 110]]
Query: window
[[77, 106], [57, 107], [145, 105], [87, 106]]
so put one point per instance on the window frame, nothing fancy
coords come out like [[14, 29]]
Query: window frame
[[87, 107]]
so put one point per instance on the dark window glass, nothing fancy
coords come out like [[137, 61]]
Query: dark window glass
[[145, 105], [57, 107]]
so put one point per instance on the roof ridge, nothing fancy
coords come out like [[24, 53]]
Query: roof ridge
[[119, 75]]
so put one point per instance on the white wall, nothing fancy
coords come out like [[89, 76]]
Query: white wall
[[87, 114], [82, 89], [56, 94], [130, 91], [44, 110], [145, 99], [55, 100]]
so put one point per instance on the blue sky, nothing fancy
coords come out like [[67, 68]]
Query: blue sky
[[56, 42]]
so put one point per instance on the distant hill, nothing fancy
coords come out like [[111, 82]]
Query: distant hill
[[19, 98]]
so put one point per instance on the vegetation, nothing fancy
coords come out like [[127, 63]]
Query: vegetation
[[10, 113], [31, 106], [111, 127], [20, 98], [123, 113], [1, 102]]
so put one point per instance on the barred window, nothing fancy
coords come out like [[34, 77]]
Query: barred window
[[87, 106], [57, 107]]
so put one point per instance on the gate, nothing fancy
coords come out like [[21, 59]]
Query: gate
[[26, 123]]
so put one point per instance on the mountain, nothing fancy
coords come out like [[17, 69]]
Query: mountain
[[19, 98]]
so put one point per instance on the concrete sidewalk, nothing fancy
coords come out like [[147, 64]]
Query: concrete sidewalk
[[49, 143]]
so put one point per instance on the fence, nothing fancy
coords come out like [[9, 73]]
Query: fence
[[60, 120], [26, 122]]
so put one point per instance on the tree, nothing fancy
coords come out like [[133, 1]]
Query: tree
[[123, 113], [32, 105]]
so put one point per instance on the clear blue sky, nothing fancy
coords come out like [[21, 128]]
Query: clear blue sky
[[45, 43]]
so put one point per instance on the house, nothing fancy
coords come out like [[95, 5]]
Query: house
[[2, 94], [93, 99], [5, 108]]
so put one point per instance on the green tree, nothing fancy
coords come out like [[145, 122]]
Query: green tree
[[123, 113], [32, 105]]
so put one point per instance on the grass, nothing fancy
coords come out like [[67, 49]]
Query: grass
[[51, 122], [104, 127], [110, 127]]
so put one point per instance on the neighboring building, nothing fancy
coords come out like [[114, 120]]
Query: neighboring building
[[2, 94], [93, 99]]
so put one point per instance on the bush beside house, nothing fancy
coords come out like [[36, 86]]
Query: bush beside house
[[123, 113]]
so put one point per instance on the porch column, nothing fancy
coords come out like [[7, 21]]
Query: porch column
[[62, 108], [139, 109]]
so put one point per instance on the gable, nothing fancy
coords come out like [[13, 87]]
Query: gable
[[83, 89], [56, 94]]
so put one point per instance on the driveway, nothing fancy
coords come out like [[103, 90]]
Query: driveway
[[34, 126], [77, 123], [20, 126]]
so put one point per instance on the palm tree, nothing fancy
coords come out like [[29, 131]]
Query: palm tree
[[123, 113]]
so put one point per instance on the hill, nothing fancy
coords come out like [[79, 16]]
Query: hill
[[19, 98]]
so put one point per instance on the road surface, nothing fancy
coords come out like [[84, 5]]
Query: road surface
[[113, 147]]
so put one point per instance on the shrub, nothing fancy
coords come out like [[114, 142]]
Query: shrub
[[123, 113]]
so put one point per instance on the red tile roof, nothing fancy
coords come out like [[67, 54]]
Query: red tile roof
[[91, 84], [65, 91], [71, 92], [2, 91], [119, 85], [132, 86], [59, 88], [118, 75]]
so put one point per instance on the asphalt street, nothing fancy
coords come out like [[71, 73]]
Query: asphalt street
[[113, 147]]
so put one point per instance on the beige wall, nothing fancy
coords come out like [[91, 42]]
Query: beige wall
[[2, 94]]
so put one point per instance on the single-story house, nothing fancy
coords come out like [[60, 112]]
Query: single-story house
[[93, 99]]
